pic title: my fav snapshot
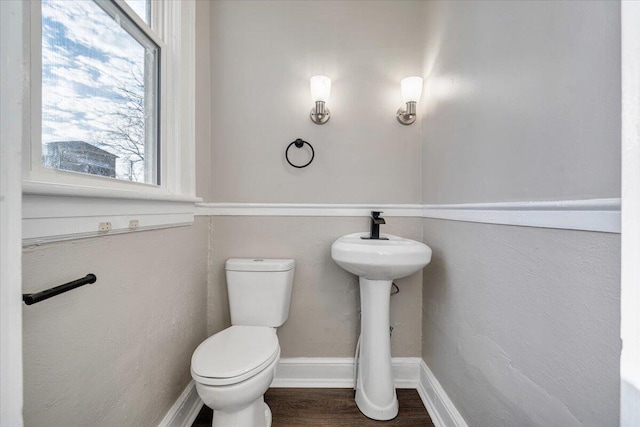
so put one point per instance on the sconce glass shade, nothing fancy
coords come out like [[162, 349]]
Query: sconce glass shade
[[320, 88], [411, 88]]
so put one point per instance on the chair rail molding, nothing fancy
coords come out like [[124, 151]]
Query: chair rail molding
[[600, 215], [305, 209]]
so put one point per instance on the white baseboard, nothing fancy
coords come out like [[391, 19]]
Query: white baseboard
[[185, 410], [441, 409], [323, 372], [326, 372]]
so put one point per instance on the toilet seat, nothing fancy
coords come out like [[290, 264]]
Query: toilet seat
[[234, 355]]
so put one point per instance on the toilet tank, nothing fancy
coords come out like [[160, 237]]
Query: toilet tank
[[259, 290]]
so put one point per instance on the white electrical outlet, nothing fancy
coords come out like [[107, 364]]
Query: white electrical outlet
[[133, 224], [104, 227]]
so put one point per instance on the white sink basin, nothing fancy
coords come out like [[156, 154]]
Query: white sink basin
[[380, 259], [378, 263]]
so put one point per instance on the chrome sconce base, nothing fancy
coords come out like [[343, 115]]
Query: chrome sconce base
[[320, 114], [407, 115], [411, 88]]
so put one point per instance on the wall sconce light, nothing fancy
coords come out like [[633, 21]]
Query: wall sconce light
[[411, 88], [320, 90]]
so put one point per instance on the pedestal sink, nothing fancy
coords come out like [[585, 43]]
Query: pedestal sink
[[378, 263]]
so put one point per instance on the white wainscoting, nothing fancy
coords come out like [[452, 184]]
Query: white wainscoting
[[601, 215]]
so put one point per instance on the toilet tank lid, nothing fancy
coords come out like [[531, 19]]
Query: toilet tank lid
[[259, 264]]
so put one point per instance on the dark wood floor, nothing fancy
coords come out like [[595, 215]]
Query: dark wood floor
[[330, 407]]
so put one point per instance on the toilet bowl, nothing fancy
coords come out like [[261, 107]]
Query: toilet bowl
[[234, 368]]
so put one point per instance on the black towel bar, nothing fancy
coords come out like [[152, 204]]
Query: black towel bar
[[43, 295]]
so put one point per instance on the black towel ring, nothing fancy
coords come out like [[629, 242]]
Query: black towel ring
[[299, 143]]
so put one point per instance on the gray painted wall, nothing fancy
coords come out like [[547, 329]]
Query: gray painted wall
[[263, 54], [117, 352], [203, 100], [324, 314], [522, 101], [521, 325]]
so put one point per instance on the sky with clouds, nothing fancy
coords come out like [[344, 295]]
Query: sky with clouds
[[87, 61]]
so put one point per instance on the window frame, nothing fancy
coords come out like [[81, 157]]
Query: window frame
[[34, 168], [62, 205]]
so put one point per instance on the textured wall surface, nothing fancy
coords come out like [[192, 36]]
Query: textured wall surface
[[324, 314], [117, 352], [522, 101], [522, 325], [203, 100], [263, 54]]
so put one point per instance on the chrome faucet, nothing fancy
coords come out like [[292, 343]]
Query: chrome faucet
[[376, 220]]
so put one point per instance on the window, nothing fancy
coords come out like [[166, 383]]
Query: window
[[111, 116], [99, 91], [142, 8]]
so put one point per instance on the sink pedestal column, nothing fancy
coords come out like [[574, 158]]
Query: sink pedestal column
[[375, 391]]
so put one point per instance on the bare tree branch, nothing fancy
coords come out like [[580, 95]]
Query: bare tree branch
[[126, 138]]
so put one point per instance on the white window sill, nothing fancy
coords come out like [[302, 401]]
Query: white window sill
[[55, 212]]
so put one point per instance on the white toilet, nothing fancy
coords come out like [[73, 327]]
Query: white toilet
[[235, 367]]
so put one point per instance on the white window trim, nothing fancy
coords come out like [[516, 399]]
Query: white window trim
[[62, 205], [630, 247], [11, 132], [34, 171]]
